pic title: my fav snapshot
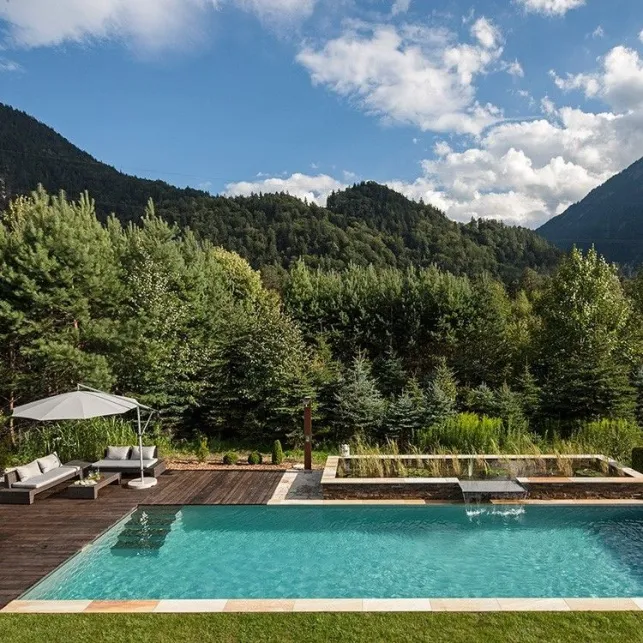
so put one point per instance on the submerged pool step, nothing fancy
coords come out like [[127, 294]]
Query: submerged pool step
[[145, 532]]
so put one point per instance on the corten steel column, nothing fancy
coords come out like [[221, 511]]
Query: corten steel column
[[308, 435]]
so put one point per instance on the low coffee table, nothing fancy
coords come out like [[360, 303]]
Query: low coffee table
[[90, 491]]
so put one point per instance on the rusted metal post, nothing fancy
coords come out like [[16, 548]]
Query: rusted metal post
[[308, 435]]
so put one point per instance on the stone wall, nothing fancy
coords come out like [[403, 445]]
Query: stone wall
[[448, 491]]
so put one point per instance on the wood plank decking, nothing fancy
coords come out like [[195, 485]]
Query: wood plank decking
[[35, 539]]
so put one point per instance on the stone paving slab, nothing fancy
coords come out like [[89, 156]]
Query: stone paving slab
[[332, 605]]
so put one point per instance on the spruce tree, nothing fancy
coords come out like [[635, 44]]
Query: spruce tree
[[530, 393], [441, 395], [406, 414], [359, 405]]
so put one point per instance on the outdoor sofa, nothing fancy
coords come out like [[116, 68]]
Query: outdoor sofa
[[22, 484], [126, 460]]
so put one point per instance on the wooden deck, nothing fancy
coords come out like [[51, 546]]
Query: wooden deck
[[35, 539]]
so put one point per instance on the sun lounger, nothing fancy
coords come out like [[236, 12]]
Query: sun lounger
[[23, 484], [126, 460]]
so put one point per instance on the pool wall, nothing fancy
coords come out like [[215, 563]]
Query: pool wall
[[623, 482]]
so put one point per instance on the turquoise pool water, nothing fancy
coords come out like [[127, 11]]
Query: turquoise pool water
[[359, 552]]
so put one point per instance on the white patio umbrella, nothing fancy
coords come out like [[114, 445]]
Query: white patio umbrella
[[88, 403]]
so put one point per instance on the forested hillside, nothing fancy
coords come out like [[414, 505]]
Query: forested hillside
[[609, 218], [418, 355], [365, 224]]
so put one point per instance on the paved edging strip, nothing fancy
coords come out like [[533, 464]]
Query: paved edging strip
[[330, 605]]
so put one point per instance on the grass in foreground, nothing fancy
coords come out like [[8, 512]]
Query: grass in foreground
[[606, 627]]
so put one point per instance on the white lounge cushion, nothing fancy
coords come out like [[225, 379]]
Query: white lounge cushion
[[27, 471], [117, 453], [124, 464], [49, 462], [148, 453], [43, 479]]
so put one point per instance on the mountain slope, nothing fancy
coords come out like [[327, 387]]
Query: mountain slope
[[610, 217], [368, 223]]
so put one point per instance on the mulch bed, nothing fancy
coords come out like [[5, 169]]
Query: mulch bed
[[191, 465]]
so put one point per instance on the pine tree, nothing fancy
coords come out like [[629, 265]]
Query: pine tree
[[441, 395], [391, 374], [359, 406], [509, 408], [482, 401], [406, 414], [530, 393]]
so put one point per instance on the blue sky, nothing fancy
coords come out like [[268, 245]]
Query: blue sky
[[504, 109]]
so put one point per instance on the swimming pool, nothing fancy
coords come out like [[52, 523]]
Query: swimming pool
[[358, 552]]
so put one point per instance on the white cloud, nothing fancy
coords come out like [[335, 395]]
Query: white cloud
[[9, 66], [599, 32], [641, 36], [35, 23], [413, 75], [276, 11], [619, 82], [400, 6], [487, 34], [314, 189], [551, 7], [149, 24], [514, 69]]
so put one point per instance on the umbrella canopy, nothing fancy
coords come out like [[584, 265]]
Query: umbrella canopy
[[77, 405]]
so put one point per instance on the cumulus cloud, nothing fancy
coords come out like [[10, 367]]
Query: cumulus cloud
[[619, 81], [150, 24], [550, 7], [414, 75], [315, 189], [641, 36]]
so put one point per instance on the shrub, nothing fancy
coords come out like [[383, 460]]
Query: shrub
[[255, 458], [637, 459], [202, 450], [230, 458], [277, 453], [612, 437]]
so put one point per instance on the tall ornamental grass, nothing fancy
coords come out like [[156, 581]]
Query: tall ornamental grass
[[612, 437], [79, 440], [471, 433]]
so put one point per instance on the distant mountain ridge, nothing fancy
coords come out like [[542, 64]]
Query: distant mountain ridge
[[364, 224], [610, 217]]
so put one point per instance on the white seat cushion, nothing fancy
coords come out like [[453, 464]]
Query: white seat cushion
[[117, 453], [49, 462], [27, 471], [45, 478], [148, 453], [124, 464]]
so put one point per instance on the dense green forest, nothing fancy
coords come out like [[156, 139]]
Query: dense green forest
[[368, 224], [417, 354], [609, 218]]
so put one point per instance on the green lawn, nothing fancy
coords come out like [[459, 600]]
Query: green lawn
[[283, 628]]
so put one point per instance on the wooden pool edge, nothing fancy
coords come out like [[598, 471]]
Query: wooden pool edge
[[634, 604]]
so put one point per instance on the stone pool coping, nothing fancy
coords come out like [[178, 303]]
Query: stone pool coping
[[329, 605]]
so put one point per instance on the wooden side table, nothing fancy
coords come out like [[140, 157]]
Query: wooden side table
[[90, 492]]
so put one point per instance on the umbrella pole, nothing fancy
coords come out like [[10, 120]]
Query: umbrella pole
[[141, 483]]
